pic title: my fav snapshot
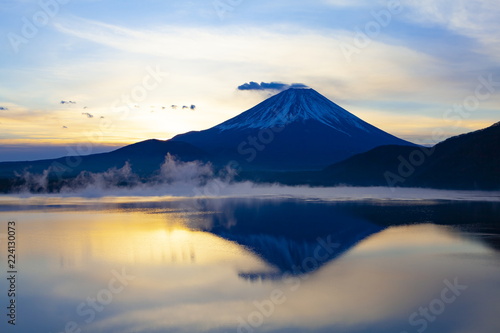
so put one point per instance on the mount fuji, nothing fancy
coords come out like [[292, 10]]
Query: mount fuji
[[295, 137], [297, 129]]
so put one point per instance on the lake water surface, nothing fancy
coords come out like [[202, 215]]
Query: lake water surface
[[252, 265]]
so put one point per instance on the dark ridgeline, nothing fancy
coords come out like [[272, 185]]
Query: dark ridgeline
[[145, 159], [467, 161], [292, 138]]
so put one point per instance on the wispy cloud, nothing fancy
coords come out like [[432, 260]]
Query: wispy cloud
[[316, 55], [206, 59], [477, 19]]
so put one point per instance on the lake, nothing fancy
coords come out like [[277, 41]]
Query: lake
[[252, 264]]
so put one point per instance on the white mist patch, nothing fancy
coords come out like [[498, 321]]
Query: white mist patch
[[109, 179], [173, 178], [173, 171], [36, 182]]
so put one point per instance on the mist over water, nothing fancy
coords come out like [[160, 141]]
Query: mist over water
[[198, 179], [202, 245]]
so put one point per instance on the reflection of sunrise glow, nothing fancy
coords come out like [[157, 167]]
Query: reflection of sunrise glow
[[121, 238], [188, 280], [424, 238]]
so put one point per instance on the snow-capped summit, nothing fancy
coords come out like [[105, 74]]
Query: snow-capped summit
[[296, 104], [297, 129]]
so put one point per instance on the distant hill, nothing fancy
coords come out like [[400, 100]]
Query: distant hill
[[146, 158], [467, 161]]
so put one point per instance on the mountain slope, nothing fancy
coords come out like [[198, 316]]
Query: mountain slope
[[298, 129], [467, 161], [295, 130], [145, 158]]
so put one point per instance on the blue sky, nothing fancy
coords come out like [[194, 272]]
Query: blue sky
[[420, 60]]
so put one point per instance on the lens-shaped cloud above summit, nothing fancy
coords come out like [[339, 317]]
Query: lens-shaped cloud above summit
[[275, 86]]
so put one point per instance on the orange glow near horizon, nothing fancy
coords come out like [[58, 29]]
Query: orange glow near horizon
[[57, 130]]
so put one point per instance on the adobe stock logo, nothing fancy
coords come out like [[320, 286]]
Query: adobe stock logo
[[31, 25], [428, 314], [224, 7], [371, 30], [92, 306], [292, 280], [455, 115]]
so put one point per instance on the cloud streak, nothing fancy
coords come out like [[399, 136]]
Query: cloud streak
[[476, 19]]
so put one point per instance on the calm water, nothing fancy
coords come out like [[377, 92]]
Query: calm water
[[252, 265]]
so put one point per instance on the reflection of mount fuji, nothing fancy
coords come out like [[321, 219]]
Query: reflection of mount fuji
[[292, 257], [295, 237]]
